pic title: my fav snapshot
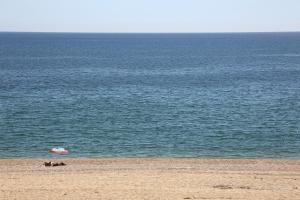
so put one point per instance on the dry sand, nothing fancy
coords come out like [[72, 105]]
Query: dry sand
[[142, 178]]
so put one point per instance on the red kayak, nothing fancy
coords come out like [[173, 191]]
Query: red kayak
[[58, 150]]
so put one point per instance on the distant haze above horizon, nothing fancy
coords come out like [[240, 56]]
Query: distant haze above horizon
[[140, 16]]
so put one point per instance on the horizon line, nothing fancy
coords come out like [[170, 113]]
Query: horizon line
[[83, 32]]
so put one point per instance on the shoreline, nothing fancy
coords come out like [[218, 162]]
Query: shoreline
[[152, 157], [150, 178]]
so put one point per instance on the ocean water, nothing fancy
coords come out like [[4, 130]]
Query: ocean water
[[143, 95]]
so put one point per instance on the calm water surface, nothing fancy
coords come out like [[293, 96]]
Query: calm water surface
[[166, 95]]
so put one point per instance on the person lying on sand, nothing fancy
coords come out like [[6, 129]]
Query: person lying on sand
[[51, 164]]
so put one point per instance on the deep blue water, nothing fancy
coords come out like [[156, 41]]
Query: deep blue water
[[166, 95]]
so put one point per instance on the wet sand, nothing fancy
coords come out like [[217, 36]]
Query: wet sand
[[150, 178]]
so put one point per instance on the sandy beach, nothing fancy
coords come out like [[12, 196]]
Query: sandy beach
[[150, 178]]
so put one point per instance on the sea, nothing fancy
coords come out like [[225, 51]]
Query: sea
[[206, 95]]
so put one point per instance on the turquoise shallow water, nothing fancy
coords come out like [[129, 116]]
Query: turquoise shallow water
[[166, 95]]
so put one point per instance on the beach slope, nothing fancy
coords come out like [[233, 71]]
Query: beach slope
[[150, 178]]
